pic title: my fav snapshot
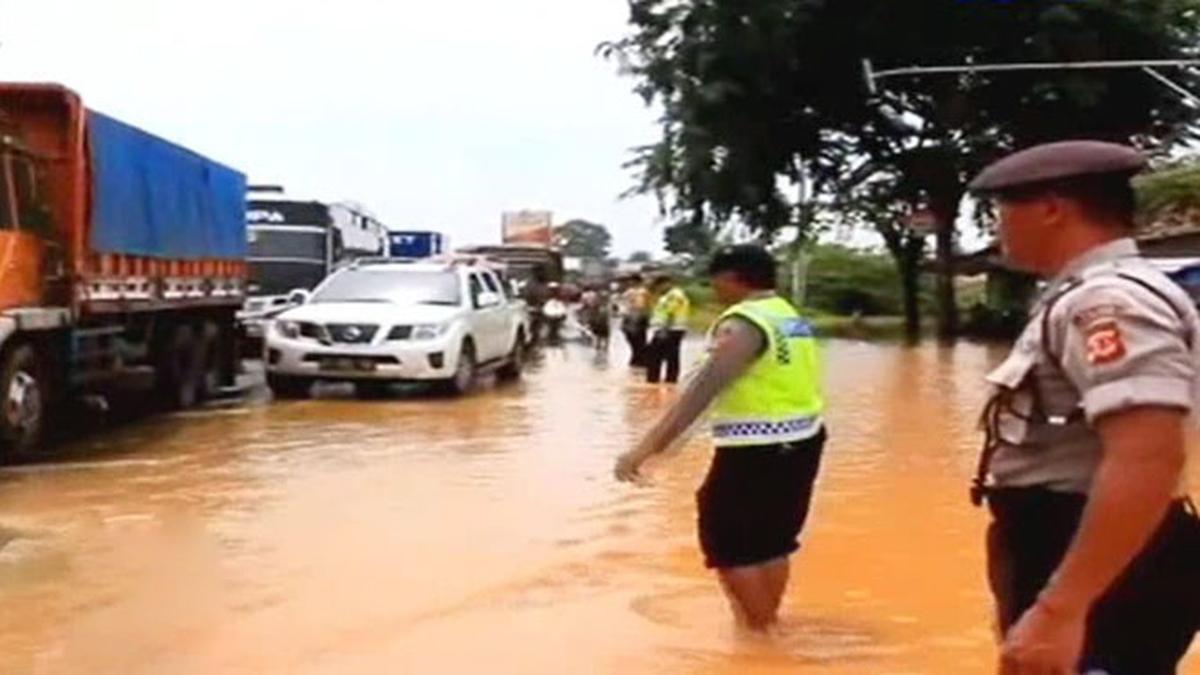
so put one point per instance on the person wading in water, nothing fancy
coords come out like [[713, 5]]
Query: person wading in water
[[762, 380]]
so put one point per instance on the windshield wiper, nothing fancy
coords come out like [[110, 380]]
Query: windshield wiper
[[440, 303]]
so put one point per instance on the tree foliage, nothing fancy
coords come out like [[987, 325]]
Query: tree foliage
[[765, 111], [845, 282], [583, 239], [1168, 192]]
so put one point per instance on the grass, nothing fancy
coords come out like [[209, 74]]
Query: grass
[[705, 310]]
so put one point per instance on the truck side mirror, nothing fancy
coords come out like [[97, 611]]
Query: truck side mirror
[[299, 296]]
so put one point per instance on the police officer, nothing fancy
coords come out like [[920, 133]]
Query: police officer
[[668, 325], [1093, 549], [762, 372]]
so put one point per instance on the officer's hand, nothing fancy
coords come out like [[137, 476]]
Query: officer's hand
[[1044, 642], [629, 465]]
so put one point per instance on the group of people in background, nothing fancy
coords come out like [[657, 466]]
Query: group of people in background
[[654, 319]]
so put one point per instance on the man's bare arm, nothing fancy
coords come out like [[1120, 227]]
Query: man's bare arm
[[736, 345]]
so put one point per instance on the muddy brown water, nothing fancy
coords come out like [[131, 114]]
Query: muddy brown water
[[419, 534]]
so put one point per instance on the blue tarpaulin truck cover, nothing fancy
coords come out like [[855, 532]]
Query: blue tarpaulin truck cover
[[156, 199]]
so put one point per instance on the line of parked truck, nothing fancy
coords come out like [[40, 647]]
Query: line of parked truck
[[129, 263]]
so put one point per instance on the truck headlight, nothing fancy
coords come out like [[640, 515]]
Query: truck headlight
[[429, 331], [288, 329]]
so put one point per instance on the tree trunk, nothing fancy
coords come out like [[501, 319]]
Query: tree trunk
[[909, 263], [907, 250], [945, 211]]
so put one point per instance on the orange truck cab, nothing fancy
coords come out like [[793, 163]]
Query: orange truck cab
[[122, 263]]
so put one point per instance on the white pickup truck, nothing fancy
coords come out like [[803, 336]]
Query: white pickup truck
[[378, 322]]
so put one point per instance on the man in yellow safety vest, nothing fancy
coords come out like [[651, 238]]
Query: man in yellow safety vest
[[762, 380], [668, 327]]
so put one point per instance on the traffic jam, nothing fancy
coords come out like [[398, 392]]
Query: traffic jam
[[136, 271]]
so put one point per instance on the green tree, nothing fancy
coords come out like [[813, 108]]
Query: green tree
[[583, 239], [766, 117], [691, 238], [641, 257], [846, 281], [1174, 191]]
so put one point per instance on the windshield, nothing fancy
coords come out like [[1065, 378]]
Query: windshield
[[295, 244], [280, 277], [405, 287]]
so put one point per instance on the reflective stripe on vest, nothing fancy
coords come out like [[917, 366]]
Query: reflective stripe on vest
[[778, 400]]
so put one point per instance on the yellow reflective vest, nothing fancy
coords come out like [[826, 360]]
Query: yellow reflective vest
[[778, 400]]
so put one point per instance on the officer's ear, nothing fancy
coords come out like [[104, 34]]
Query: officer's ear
[[1055, 210]]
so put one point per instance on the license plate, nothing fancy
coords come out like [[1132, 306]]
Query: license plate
[[343, 364]]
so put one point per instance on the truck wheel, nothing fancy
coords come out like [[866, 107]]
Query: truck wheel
[[25, 400], [465, 374], [286, 387], [179, 370], [208, 360], [511, 370]]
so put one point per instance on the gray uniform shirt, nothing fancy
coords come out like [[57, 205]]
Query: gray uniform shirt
[[1112, 343]]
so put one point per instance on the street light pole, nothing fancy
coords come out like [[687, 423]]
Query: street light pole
[[1148, 66]]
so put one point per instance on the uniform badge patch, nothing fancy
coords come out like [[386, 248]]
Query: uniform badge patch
[[1105, 344]]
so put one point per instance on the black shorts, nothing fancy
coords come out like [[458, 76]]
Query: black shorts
[[753, 504], [1144, 623]]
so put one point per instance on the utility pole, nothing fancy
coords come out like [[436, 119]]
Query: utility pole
[[799, 257]]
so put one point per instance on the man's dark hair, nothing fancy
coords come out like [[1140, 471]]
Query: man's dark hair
[[661, 280], [635, 278], [753, 265], [1108, 196]]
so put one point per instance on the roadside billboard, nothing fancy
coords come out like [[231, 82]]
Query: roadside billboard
[[528, 227]]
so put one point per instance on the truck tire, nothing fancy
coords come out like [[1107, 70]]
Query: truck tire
[[465, 374], [178, 370], [25, 401], [288, 387], [515, 363], [208, 360]]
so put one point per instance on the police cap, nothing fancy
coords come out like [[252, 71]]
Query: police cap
[[1053, 162]]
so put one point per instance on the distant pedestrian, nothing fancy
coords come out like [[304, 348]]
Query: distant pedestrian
[[635, 318], [535, 293], [554, 314], [594, 314], [762, 379], [668, 324]]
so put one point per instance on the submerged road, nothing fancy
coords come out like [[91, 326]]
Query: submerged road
[[424, 534]]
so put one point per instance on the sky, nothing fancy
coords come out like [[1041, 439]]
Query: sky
[[435, 115]]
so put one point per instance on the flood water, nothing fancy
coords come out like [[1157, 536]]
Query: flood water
[[428, 535]]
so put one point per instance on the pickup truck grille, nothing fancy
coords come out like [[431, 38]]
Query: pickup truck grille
[[351, 333]]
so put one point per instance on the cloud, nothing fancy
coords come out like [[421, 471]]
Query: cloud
[[432, 114]]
